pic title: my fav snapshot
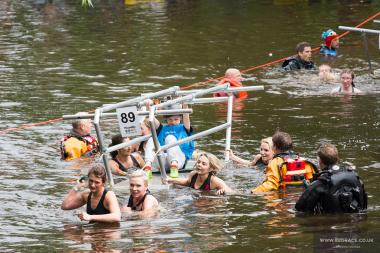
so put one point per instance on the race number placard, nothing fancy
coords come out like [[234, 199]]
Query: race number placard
[[129, 121]]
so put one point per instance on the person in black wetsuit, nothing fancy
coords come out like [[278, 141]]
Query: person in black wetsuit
[[302, 60], [140, 200], [337, 189], [123, 159], [260, 161], [102, 205], [203, 177]]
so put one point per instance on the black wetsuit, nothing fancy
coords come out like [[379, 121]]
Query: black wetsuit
[[334, 191], [136, 205], [295, 62], [100, 208], [260, 164], [122, 167], [206, 186]]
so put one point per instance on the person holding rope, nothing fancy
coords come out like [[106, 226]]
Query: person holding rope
[[303, 59]]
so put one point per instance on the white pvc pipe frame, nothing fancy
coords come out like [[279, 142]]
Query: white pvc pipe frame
[[362, 30], [189, 99]]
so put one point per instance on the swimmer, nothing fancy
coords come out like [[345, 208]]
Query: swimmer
[[260, 160], [141, 200], [347, 85], [325, 73], [102, 205], [203, 177]]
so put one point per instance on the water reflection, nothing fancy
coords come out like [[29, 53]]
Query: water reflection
[[97, 236]]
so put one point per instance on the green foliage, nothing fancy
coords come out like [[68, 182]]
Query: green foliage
[[87, 3]]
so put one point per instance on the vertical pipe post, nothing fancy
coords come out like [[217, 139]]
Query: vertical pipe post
[[365, 39], [229, 120], [102, 148], [161, 162]]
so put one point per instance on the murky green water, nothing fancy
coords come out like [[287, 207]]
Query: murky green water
[[57, 58]]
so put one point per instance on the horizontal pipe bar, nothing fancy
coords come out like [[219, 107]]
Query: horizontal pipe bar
[[88, 116], [208, 100], [362, 30], [192, 95], [195, 136], [230, 89], [126, 144], [134, 101], [376, 21]]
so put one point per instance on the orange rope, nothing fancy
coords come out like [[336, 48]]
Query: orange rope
[[25, 126]]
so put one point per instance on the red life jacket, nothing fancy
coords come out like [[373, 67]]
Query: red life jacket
[[73, 147], [233, 83]]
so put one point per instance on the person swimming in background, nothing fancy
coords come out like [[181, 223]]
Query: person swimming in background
[[303, 59], [123, 159], [234, 78], [203, 177], [325, 73], [102, 205], [141, 200], [330, 43], [347, 85], [260, 160]]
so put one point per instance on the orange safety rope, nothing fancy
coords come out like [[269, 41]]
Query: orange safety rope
[[25, 126]]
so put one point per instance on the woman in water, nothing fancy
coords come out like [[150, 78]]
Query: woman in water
[[123, 159], [347, 85], [203, 177], [102, 205], [261, 160]]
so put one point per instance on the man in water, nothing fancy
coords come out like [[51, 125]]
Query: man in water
[[337, 189], [302, 60]]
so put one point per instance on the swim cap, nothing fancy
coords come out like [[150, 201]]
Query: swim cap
[[328, 36]]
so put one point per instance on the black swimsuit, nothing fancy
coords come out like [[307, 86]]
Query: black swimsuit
[[100, 208], [206, 186], [134, 207], [135, 163]]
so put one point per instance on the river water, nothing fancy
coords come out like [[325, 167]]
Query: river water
[[57, 58]]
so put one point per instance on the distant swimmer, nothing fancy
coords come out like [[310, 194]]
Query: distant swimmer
[[337, 189], [325, 73], [234, 78], [347, 85], [286, 169], [102, 205], [79, 143], [303, 60], [260, 160], [330, 43], [204, 175], [141, 201]]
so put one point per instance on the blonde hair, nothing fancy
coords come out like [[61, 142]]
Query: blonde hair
[[215, 164], [146, 122], [268, 141], [139, 173]]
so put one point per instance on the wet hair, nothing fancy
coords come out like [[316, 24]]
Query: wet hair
[[77, 123], [98, 171], [267, 141], [282, 141], [350, 72], [115, 140], [215, 164], [139, 173], [328, 154], [301, 46]]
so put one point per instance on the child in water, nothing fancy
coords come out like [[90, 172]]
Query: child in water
[[261, 160], [203, 177]]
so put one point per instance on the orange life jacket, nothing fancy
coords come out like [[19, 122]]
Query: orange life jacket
[[73, 147], [233, 83], [295, 171]]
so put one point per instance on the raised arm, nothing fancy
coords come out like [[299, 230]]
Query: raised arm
[[148, 103], [186, 118], [238, 159], [180, 181]]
